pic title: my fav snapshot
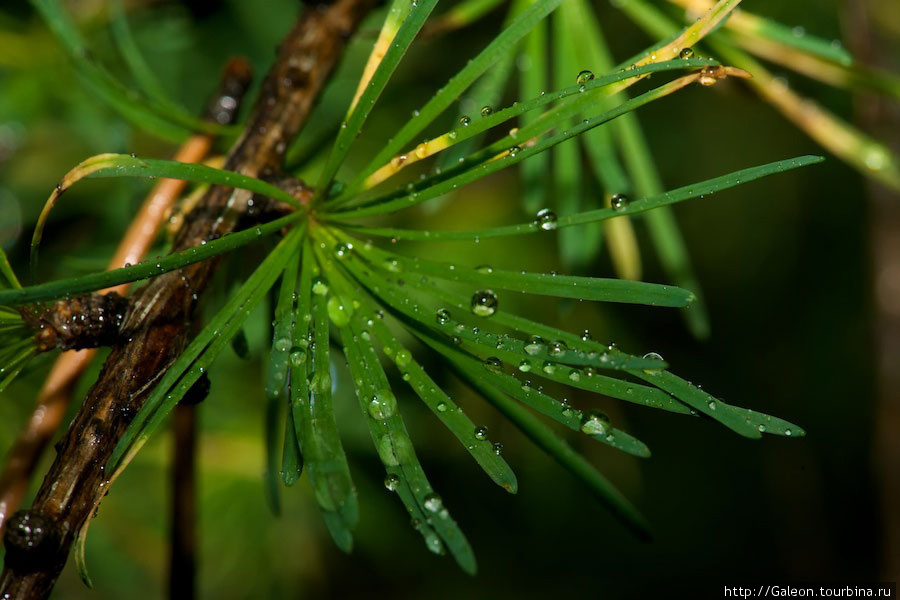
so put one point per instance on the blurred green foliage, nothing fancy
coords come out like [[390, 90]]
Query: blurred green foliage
[[783, 263]]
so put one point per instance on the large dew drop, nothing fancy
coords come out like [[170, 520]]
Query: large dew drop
[[619, 202], [484, 303]]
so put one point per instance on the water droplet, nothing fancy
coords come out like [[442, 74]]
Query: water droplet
[[762, 428], [392, 265], [595, 422], [486, 111], [712, 405], [382, 406], [513, 150], [282, 344], [465, 120], [557, 348], [653, 356], [442, 407], [686, 53], [452, 135], [484, 269], [788, 432], [386, 451], [484, 303], [709, 76], [342, 250], [481, 432], [619, 202], [402, 357], [338, 312], [524, 366], [583, 77], [442, 316], [575, 375], [298, 358], [493, 364], [319, 287], [391, 482], [498, 448], [586, 336], [549, 368], [535, 345], [433, 503], [545, 219]]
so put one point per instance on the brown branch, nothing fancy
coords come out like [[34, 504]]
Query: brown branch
[[157, 326], [54, 397]]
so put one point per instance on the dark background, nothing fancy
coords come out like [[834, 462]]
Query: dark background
[[785, 267]]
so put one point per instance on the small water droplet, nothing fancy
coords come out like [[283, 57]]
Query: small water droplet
[[788, 432], [382, 406], [481, 432], [557, 348], [282, 344], [319, 287], [546, 219], [493, 364], [653, 356], [484, 269], [575, 375], [342, 250], [583, 77], [442, 316], [762, 428], [433, 503], [486, 111], [535, 345], [525, 366], [465, 120], [619, 202], [595, 422], [549, 368], [686, 53], [391, 482], [514, 150], [442, 407], [484, 303], [498, 448]]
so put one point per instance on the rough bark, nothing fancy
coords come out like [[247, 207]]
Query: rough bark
[[155, 329]]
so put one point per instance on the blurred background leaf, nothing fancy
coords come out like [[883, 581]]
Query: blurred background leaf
[[784, 264]]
